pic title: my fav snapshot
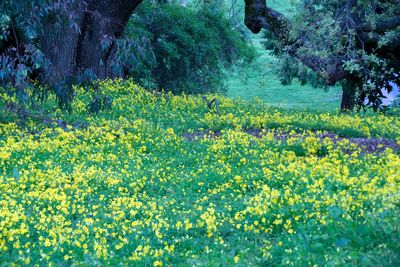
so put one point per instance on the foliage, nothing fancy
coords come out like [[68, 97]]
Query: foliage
[[180, 49], [289, 68], [23, 65], [351, 33], [394, 107], [132, 188]]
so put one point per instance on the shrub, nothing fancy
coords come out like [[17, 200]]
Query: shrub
[[180, 49]]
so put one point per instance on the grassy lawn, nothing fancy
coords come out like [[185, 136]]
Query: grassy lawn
[[263, 83]]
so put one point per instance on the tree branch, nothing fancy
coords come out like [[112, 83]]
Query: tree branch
[[381, 26], [258, 16]]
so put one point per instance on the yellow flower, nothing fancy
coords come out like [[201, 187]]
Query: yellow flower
[[4, 155], [178, 224], [236, 259], [47, 242], [158, 263]]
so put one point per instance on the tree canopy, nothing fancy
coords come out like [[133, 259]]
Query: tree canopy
[[354, 41], [180, 49]]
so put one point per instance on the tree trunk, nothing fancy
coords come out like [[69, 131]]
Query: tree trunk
[[73, 50], [59, 43], [349, 95]]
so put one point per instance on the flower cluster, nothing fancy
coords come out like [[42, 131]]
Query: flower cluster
[[131, 188]]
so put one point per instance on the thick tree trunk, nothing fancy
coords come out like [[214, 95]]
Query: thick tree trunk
[[349, 95], [104, 20], [73, 50], [59, 42]]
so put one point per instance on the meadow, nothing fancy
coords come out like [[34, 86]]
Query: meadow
[[261, 81], [162, 180]]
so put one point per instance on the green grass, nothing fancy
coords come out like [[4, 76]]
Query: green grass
[[262, 82]]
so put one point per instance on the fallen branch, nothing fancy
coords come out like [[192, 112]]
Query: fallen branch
[[213, 101], [24, 114]]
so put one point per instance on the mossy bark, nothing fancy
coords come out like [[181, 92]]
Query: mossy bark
[[72, 51]]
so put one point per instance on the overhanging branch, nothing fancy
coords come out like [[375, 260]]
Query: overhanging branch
[[258, 16]]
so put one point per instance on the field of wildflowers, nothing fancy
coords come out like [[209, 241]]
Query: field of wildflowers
[[162, 180]]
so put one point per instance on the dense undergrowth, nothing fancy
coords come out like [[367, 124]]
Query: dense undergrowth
[[128, 185]]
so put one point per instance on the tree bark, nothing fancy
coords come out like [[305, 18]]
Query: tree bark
[[349, 95], [105, 19], [59, 43], [73, 50]]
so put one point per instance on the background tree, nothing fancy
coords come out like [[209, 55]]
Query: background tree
[[181, 49], [63, 40], [355, 42]]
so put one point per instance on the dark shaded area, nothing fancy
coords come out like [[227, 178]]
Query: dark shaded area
[[368, 145]]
